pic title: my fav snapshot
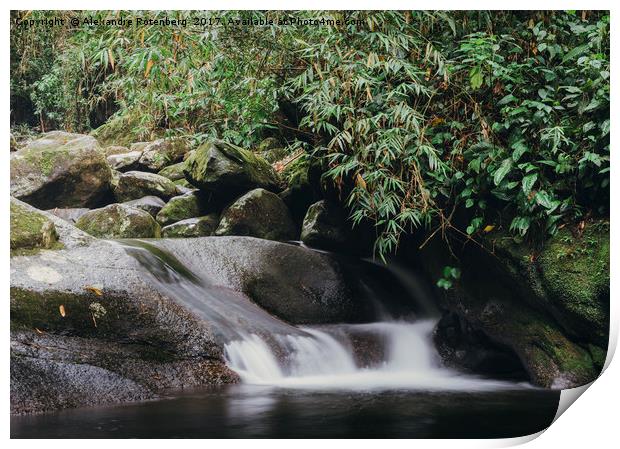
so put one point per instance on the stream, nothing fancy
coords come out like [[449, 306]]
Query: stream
[[379, 379]]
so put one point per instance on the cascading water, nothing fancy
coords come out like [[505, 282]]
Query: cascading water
[[318, 360], [266, 351]]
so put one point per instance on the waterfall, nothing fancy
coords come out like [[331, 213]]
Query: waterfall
[[319, 360], [264, 350]]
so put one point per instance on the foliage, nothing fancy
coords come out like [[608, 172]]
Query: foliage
[[421, 120], [418, 116]]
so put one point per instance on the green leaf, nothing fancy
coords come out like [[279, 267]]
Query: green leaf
[[519, 149], [475, 77], [575, 52], [528, 182], [502, 171]]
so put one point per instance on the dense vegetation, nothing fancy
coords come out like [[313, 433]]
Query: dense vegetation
[[417, 117]]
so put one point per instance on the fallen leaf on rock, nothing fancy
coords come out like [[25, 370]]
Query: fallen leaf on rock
[[97, 291], [61, 308]]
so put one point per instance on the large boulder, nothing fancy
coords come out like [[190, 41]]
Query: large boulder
[[189, 205], [548, 310], [136, 184], [227, 170], [325, 227], [124, 161], [119, 221], [150, 204], [30, 229], [192, 227], [88, 328], [258, 213], [160, 153], [60, 170], [98, 322]]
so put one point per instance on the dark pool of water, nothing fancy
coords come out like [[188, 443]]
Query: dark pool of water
[[258, 412]]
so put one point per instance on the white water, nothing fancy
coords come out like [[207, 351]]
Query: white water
[[318, 360]]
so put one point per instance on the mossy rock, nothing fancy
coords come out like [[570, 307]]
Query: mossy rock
[[227, 170], [258, 213], [119, 221], [192, 227], [575, 275], [31, 230], [111, 150], [325, 227], [303, 178], [135, 184], [120, 130], [162, 152], [189, 205], [173, 172], [60, 170]]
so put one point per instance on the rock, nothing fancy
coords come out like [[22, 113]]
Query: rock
[[192, 227], [126, 333], [116, 177], [119, 221], [467, 349], [500, 296], [115, 149], [134, 185], [60, 170], [189, 205], [69, 214], [173, 172], [138, 146], [150, 204], [117, 340], [303, 177], [160, 153], [574, 272], [30, 229], [13, 144], [228, 171], [124, 161], [271, 150], [258, 213], [325, 227]]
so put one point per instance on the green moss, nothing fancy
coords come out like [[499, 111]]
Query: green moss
[[31, 231], [180, 208], [119, 221], [120, 130], [575, 273], [217, 164]]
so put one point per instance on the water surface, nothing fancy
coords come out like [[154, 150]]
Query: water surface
[[249, 411]]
